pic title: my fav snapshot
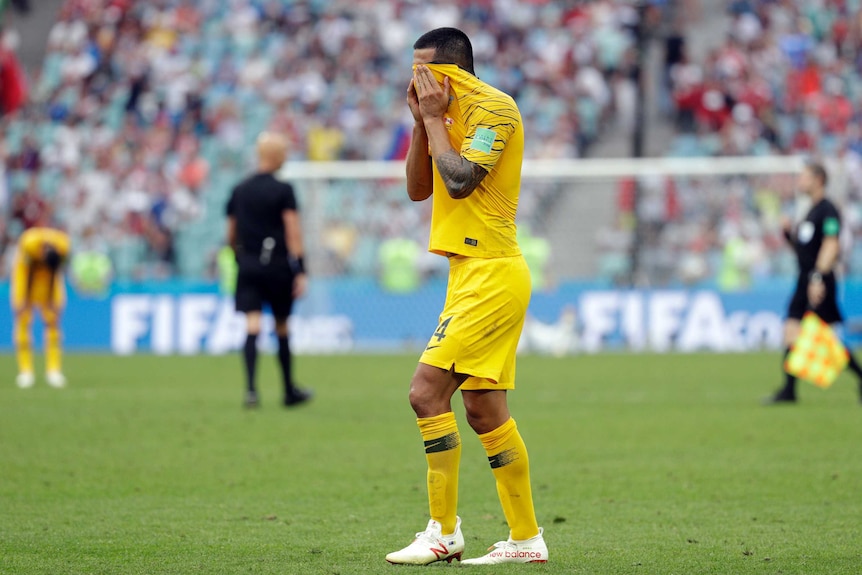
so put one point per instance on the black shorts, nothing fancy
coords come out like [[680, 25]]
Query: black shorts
[[257, 285], [828, 308]]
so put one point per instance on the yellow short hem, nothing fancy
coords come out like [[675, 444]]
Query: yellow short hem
[[475, 376]]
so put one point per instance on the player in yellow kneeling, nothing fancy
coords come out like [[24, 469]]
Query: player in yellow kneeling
[[37, 283]]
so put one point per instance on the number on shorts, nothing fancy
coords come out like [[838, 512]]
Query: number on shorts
[[440, 333]]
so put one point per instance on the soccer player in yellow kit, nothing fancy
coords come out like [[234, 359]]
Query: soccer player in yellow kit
[[466, 154], [37, 282]]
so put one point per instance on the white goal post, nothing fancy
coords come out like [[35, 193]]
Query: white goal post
[[575, 168], [558, 196]]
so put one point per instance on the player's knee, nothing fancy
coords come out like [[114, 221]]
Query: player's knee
[[252, 322], [281, 327], [22, 336], [431, 390], [426, 399], [485, 411], [481, 421], [419, 399]]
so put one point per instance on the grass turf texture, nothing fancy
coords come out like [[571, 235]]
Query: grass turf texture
[[641, 464]]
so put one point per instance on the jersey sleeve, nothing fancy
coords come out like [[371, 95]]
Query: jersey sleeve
[[230, 207], [33, 241], [831, 225], [30, 245], [61, 243], [490, 125], [288, 199]]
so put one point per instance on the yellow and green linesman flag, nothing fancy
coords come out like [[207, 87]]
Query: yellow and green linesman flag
[[817, 355], [227, 270]]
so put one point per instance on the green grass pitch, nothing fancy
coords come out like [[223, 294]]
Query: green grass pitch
[[641, 464]]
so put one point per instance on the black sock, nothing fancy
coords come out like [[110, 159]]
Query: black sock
[[853, 364], [285, 360], [789, 389], [249, 354]]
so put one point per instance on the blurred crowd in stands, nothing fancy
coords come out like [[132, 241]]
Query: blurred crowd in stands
[[786, 79], [141, 117], [722, 231]]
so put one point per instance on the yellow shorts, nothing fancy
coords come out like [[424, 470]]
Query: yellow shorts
[[481, 322], [36, 286]]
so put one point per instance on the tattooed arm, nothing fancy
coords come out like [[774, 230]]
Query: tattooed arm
[[460, 176]]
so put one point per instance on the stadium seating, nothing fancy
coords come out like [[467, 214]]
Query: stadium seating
[[179, 66], [148, 77]]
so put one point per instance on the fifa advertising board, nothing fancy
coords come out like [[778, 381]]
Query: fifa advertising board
[[339, 316]]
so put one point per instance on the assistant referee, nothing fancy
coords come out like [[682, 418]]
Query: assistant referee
[[816, 243], [264, 230]]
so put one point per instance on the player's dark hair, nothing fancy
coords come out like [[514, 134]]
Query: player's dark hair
[[53, 259], [819, 172], [451, 46]]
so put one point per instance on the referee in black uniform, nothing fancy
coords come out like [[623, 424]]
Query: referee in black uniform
[[815, 241], [263, 228]]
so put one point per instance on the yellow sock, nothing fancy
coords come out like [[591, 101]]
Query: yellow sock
[[443, 453], [23, 342], [53, 352], [507, 455]]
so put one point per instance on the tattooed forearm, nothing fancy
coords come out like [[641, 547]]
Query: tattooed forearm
[[460, 176]]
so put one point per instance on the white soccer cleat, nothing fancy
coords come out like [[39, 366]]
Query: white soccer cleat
[[531, 550], [431, 546], [25, 380], [55, 379]]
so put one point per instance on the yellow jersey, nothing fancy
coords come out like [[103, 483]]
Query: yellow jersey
[[485, 125], [31, 241]]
